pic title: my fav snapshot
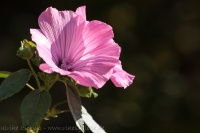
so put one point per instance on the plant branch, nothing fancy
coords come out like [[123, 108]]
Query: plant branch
[[34, 74], [60, 103]]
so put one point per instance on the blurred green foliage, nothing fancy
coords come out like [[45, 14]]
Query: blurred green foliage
[[160, 42]]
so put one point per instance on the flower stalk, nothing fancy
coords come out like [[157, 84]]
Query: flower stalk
[[34, 74]]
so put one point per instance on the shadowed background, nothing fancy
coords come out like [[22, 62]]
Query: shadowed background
[[160, 43]]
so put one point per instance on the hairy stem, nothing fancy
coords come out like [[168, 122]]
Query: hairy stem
[[34, 74], [60, 103]]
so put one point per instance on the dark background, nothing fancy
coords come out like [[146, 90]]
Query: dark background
[[160, 42]]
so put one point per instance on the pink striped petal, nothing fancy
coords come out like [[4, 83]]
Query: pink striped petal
[[94, 71], [98, 41], [52, 22], [121, 78], [46, 68], [43, 47], [81, 11]]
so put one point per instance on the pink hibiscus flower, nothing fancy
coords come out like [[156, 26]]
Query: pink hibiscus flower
[[83, 50]]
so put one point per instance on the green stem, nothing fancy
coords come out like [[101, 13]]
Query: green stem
[[30, 86], [34, 74], [63, 111], [58, 104], [54, 112]]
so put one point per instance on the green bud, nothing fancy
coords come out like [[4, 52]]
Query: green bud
[[27, 49]]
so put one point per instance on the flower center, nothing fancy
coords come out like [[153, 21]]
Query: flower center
[[66, 65]]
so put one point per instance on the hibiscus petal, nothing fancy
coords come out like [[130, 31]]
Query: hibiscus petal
[[64, 30], [81, 11], [98, 41], [121, 78], [95, 58], [46, 68], [43, 47], [94, 71], [73, 34], [52, 23], [88, 78], [95, 35]]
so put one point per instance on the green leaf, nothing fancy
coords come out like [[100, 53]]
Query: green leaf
[[87, 92], [91, 123], [31, 43], [14, 83], [34, 107], [74, 102], [4, 74], [95, 94]]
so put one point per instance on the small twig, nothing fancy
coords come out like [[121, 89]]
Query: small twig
[[34, 74]]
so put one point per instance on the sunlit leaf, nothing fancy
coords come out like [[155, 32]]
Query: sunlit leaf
[[4, 74], [31, 43], [14, 83], [84, 92], [87, 92], [91, 123], [34, 107], [74, 103]]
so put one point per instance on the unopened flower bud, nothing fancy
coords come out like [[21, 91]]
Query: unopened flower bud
[[27, 49]]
